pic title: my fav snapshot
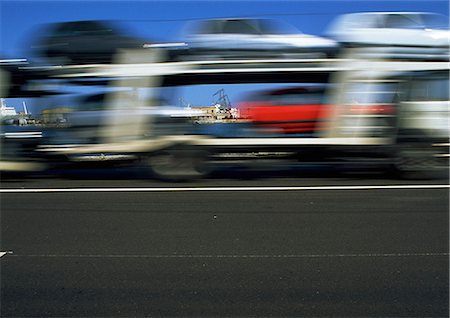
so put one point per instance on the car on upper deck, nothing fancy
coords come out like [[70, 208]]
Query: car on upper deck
[[254, 38], [83, 42], [399, 35]]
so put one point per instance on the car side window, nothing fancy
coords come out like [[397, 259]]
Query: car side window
[[397, 21], [64, 30], [239, 26], [209, 27], [429, 89]]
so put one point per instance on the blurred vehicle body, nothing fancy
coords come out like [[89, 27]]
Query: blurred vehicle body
[[79, 42], [426, 104], [120, 128], [18, 140], [18, 148], [290, 110], [400, 35], [250, 37], [93, 113], [375, 113], [423, 128]]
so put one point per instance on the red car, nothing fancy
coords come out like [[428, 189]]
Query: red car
[[290, 110]]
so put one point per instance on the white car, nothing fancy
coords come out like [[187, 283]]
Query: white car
[[250, 37], [415, 35]]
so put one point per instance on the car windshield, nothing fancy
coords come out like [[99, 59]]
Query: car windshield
[[435, 21], [92, 103], [416, 21], [298, 99], [83, 27]]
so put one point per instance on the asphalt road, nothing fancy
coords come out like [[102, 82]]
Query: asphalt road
[[288, 252]]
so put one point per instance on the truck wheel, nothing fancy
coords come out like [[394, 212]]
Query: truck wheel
[[414, 160], [178, 164]]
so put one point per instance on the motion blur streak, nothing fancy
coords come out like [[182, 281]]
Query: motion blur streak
[[374, 96]]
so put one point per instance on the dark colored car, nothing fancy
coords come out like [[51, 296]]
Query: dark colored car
[[80, 42]]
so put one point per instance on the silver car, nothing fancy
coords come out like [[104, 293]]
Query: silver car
[[402, 35], [258, 38]]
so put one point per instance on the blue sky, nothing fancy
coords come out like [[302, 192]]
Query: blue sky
[[164, 20]]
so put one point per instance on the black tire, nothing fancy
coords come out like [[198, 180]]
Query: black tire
[[418, 160], [178, 164]]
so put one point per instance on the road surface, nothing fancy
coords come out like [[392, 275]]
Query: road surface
[[275, 247]]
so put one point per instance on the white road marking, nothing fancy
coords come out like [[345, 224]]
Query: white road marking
[[3, 253], [232, 255], [190, 189]]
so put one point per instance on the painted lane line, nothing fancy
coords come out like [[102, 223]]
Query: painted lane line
[[232, 255], [190, 189]]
